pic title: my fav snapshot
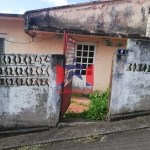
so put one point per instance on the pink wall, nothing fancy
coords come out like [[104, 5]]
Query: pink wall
[[103, 59], [14, 30]]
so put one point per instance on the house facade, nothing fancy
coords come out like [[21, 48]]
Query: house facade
[[99, 28]]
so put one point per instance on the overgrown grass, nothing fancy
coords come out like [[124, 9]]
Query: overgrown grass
[[81, 95], [97, 108], [78, 103]]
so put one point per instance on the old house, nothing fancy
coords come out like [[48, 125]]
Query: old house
[[98, 27]]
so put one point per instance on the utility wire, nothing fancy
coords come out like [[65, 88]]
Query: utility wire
[[45, 39], [17, 42], [31, 41]]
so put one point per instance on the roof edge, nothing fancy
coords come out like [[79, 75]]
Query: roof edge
[[72, 5], [11, 15]]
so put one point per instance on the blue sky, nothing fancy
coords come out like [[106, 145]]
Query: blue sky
[[20, 6]]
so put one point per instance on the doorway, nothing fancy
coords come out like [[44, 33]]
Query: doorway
[[85, 57]]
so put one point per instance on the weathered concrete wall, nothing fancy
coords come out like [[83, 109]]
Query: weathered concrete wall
[[130, 87], [28, 91], [98, 18]]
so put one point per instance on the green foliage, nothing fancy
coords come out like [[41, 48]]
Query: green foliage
[[97, 109], [98, 105], [81, 95], [34, 147], [95, 136], [78, 103], [76, 115]]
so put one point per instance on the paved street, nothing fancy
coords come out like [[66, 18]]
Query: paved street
[[132, 140], [117, 139]]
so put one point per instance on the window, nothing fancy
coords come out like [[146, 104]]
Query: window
[[84, 57], [2, 45]]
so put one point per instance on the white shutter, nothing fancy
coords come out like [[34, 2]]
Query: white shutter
[[2, 45]]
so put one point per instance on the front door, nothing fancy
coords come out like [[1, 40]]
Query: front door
[[85, 56]]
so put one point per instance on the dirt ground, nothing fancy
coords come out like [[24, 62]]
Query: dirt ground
[[78, 104]]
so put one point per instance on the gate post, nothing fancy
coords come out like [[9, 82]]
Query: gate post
[[130, 96]]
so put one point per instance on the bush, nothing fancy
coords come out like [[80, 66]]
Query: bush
[[97, 109], [98, 105]]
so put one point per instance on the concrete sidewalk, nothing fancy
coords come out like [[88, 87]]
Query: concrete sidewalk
[[73, 131]]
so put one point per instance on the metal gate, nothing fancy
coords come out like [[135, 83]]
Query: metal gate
[[69, 53]]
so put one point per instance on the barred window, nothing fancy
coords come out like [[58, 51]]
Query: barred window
[[2, 45]]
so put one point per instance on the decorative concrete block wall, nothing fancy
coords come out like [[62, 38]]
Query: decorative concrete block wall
[[130, 94], [28, 91]]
